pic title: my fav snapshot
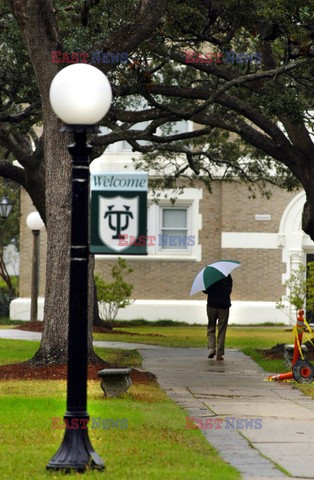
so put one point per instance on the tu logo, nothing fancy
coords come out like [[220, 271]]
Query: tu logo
[[116, 215], [118, 228]]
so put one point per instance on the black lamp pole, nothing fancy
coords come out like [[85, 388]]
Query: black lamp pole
[[35, 276], [76, 451]]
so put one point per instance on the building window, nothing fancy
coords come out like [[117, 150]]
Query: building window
[[174, 229]]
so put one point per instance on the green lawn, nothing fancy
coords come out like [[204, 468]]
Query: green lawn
[[181, 336], [14, 351], [155, 445]]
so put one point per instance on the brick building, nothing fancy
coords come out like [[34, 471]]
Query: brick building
[[264, 235]]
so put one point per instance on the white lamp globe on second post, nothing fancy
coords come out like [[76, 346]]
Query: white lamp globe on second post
[[80, 94], [35, 224], [34, 221]]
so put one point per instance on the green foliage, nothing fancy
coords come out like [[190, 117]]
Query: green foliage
[[9, 234], [9, 227], [5, 298], [300, 286], [6, 322], [114, 295], [279, 29]]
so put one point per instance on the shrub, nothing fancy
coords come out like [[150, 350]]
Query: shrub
[[300, 286], [5, 298], [115, 295]]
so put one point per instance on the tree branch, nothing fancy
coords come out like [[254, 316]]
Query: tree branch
[[132, 33], [17, 174], [22, 116], [16, 143]]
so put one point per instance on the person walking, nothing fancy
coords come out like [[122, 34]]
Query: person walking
[[218, 305]]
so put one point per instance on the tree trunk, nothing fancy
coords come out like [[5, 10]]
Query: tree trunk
[[53, 347], [93, 311], [97, 321]]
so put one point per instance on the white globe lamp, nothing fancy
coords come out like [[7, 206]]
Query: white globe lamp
[[80, 94], [34, 222]]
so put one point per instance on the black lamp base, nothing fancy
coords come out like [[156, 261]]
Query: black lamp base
[[76, 453]]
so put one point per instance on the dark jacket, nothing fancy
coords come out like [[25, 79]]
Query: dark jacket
[[219, 293]]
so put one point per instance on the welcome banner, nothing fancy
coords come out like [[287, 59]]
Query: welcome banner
[[118, 211]]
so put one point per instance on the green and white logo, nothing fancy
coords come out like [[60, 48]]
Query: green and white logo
[[119, 209]]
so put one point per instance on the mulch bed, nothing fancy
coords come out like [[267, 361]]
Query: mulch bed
[[38, 327], [30, 326], [277, 352], [274, 353], [25, 371]]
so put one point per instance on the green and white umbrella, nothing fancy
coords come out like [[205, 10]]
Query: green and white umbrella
[[212, 273]]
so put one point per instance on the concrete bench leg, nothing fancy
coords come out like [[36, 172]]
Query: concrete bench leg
[[115, 382]]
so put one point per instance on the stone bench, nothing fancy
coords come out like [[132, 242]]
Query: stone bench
[[115, 381]]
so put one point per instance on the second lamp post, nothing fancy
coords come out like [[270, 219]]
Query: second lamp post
[[35, 224]]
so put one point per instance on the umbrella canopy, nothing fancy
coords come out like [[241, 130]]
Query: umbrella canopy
[[212, 273]]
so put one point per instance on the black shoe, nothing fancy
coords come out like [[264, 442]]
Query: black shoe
[[219, 357], [211, 355]]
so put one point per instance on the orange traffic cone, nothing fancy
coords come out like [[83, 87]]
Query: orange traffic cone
[[296, 352], [298, 337], [281, 376]]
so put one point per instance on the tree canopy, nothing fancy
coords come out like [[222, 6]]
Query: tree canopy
[[9, 230], [253, 112]]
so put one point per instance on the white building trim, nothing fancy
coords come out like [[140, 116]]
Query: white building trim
[[20, 309], [249, 240], [189, 311], [296, 244]]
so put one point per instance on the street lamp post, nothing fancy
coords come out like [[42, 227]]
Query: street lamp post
[[80, 95], [35, 224]]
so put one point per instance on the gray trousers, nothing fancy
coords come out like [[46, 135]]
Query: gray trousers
[[222, 315]]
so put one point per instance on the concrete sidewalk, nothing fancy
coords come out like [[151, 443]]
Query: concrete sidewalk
[[237, 388], [15, 334]]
